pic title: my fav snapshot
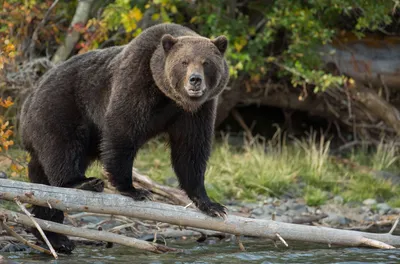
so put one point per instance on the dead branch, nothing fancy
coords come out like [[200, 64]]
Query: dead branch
[[240, 244], [177, 196], [40, 26], [35, 224], [282, 240], [242, 123], [78, 200], [394, 225], [375, 104], [376, 243], [23, 240], [85, 233]]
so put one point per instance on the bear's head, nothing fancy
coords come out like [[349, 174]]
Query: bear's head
[[191, 69]]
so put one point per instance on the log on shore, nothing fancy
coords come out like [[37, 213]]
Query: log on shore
[[85, 233], [78, 200]]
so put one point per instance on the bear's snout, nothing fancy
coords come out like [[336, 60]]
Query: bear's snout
[[195, 86], [195, 80]]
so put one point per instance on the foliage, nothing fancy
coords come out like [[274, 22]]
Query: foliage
[[5, 128], [282, 34], [14, 166], [314, 196], [18, 21]]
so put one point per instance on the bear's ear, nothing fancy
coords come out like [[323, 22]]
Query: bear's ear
[[222, 43], [168, 42]]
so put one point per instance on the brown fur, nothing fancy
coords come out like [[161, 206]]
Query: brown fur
[[105, 104]]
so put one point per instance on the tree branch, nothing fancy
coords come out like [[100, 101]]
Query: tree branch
[[23, 240], [35, 34], [36, 225]]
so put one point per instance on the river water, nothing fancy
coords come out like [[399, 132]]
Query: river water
[[257, 251]]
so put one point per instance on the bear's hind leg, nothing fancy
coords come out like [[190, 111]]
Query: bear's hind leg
[[61, 243], [64, 163]]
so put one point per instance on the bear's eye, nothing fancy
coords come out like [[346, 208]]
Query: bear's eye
[[185, 63], [205, 63]]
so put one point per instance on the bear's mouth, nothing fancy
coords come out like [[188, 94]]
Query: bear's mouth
[[194, 92]]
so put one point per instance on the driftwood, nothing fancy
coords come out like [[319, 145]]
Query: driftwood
[[23, 240], [35, 224], [77, 200], [85, 233], [175, 195]]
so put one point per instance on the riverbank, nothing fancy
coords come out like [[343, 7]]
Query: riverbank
[[298, 181]]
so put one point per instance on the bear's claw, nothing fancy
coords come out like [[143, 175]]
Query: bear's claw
[[91, 184], [213, 209], [138, 194]]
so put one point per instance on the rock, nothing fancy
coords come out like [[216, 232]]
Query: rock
[[91, 219], [311, 209], [283, 207], [3, 175], [284, 218], [335, 220], [369, 202], [292, 213], [383, 208], [269, 209], [372, 218], [257, 211], [299, 208], [395, 211], [289, 203], [354, 204], [11, 247], [269, 200], [394, 178], [365, 209], [251, 206], [338, 199]]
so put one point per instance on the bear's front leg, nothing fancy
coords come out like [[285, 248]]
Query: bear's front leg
[[118, 163], [118, 150], [190, 140]]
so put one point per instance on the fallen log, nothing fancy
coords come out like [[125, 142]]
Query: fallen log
[[85, 233], [77, 200]]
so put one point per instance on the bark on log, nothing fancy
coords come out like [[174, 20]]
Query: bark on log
[[381, 108], [372, 59], [78, 200]]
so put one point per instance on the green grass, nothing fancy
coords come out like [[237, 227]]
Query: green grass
[[275, 167]]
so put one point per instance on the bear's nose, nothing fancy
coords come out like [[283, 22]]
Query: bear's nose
[[195, 79]]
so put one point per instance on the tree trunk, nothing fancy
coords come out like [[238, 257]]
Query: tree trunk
[[80, 18]]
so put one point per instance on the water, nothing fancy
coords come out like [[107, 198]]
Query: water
[[258, 251]]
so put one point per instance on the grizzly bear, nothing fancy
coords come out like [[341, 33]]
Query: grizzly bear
[[105, 104]]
